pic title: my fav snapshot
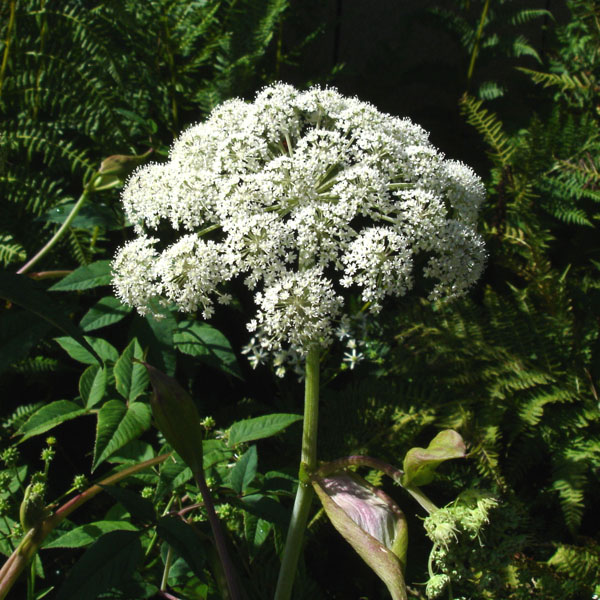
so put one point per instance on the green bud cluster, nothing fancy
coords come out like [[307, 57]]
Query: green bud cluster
[[147, 492], [446, 528], [4, 507], [436, 585], [80, 482], [208, 423], [9, 456], [48, 454]]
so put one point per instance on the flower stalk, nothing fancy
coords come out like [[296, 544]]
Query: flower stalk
[[304, 494]]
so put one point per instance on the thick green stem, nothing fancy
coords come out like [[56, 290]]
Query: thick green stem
[[61, 231], [304, 494]]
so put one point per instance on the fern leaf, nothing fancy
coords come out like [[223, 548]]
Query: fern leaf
[[490, 127]]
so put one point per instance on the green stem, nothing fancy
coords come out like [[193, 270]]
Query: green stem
[[165, 577], [31, 582], [475, 51], [304, 494], [61, 231], [9, 31]]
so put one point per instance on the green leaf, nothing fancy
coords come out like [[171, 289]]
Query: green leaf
[[138, 507], [105, 312], [101, 347], [50, 416], [207, 344], [185, 541], [21, 290], [131, 378], [117, 425], [420, 463], [110, 560], [176, 415], [92, 385], [256, 531], [88, 533], [215, 452], [156, 336], [264, 507], [260, 427], [136, 451], [244, 471], [172, 474], [89, 276]]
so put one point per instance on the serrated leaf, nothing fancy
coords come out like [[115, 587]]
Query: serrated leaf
[[244, 472], [138, 507], [136, 451], [110, 560], [207, 344], [88, 533], [260, 427], [420, 463], [105, 312], [184, 541], [50, 416], [118, 424], [214, 452], [92, 385], [131, 378], [77, 352], [21, 290], [89, 276]]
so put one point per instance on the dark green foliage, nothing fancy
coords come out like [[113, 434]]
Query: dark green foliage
[[514, 368]]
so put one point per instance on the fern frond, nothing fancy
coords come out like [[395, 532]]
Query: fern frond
[[569, 483], [490, 90], [490, 127], [20, 415], [529, 14], [10, 250], [564, 81], [35, 365], [578, 562], [521, 47]]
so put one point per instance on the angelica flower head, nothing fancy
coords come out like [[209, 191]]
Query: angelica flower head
[[302, 195]]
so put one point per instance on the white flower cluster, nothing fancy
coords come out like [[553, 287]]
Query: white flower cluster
[[302, 194]]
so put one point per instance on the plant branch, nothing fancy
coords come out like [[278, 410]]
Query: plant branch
[[33, 539], [61, 231]]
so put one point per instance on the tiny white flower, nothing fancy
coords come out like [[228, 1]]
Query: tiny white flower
[[300, 194]]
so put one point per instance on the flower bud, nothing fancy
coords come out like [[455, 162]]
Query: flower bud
[[115, 169], [177, 417], [32, 510], [370, 522]]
